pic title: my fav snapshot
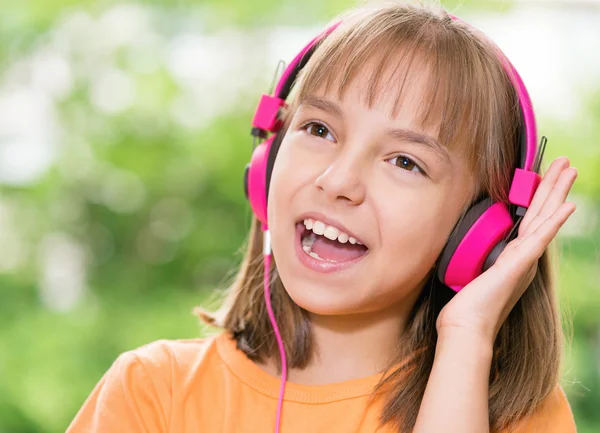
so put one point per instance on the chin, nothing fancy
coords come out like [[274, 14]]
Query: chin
[[321, 300]]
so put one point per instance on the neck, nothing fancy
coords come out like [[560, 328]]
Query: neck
[[350, 346]]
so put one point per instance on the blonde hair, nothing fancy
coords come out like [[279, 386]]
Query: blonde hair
[[471, 99]]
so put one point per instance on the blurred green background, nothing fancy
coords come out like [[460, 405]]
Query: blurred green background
[[124, 130]]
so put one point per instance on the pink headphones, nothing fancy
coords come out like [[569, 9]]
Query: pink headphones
[[477, 240]]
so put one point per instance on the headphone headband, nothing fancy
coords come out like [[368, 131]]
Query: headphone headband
[[291, 72], [528, 116]]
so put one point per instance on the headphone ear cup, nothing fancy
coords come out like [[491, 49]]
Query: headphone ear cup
[[255, 179], [483, 228]]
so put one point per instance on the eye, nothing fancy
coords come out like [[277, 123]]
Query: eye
[[318, 130], [407, 164]]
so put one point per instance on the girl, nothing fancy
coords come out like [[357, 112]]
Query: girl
[[412, 288]]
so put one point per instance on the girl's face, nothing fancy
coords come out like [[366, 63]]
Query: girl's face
[[379, 179]]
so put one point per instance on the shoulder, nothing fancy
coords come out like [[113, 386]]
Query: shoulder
[[167, 359], [137, 392], [154, 369], [161, 353], [553, 415]]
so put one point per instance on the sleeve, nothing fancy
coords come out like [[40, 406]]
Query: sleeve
[[131, 397], [553, 416]]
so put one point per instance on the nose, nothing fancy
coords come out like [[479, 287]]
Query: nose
[[343, 178]]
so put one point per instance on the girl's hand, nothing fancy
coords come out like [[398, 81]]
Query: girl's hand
[[482, 306]]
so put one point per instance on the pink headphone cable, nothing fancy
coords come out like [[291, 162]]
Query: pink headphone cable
[[267, 255]]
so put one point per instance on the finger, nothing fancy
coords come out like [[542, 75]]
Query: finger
[[546, 185], [559, 193], [555, 198], [534, 245], [518, 261]]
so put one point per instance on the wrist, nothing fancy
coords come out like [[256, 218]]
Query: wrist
[[468, 342], [478, 326]]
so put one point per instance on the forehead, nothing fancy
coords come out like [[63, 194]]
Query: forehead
[[399, 78], [398, 86]]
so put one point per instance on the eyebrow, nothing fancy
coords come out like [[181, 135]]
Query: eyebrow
[[323, 105], [401, 134]]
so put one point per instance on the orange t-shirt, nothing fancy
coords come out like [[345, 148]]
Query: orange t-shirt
[[209, 386]]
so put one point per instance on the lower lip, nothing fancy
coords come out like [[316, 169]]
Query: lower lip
[[316, 264]]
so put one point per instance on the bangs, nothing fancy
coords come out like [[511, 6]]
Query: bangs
[[458, 84]]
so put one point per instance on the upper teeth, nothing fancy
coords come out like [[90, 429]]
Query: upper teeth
[[330, 232]]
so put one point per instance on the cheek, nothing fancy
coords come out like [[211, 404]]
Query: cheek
[[280, 185], [286, 179], [293, 168], [416, 225]]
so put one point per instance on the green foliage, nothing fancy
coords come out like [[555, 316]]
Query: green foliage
[[141, 214]]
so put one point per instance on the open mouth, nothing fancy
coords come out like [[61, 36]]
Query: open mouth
[[328, 244]]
